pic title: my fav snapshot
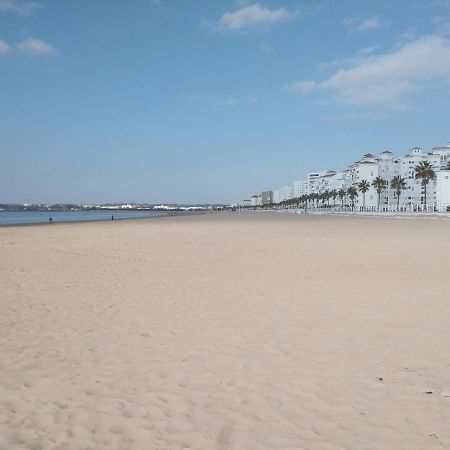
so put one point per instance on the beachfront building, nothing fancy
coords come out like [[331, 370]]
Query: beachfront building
[[254, 200], [365, 169], [299, 189], [315, 181], [266, 198], [368, 168], [282, 193], [443, 190]]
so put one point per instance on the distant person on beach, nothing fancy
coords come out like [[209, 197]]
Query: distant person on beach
[[112, 217], [50, 219]]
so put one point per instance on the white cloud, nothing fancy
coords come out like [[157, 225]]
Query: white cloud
[[371, 23], [23, 9], [250, 16], [304, 86], [4, 47], [360, 54], [33, 46], [385, 80]]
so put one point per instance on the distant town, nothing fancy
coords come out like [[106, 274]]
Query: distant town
[[112, 207], [417, 181]]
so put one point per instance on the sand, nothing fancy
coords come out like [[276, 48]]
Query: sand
[[226, 331]]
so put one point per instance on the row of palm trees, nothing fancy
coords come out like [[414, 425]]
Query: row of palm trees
[[423, 171]]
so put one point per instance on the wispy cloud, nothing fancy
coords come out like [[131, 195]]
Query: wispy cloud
[[267, 49], [33, 46], [356, 24], [303, 87], [441, 3], [23, 9], [231, 101], [249, 16], [360, 54], [386, 80], [4, 48]]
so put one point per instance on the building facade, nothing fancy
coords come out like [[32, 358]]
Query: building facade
[[386, 165]]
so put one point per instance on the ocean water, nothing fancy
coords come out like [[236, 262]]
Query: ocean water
[[30, 217]]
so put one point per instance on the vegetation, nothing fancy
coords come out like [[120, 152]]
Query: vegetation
[[341, 194], [425, 172], [352, 193], [398, 183], [380, 185], [364, 186]]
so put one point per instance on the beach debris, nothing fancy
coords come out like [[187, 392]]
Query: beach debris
[[433, 435], [428, 392], [380, 379]]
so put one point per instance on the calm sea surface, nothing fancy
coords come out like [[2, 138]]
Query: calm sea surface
[[23, 217]]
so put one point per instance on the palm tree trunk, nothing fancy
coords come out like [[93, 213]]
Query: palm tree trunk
[[425, 195], [398, 199]]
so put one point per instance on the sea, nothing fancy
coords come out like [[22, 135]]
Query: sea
[[35, 217]]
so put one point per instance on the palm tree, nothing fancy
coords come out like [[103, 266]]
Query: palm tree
[[326, 197], [353, 193], [379, 184], [426, 173], [333, 195], [341, 194], [304, 199], [398, 183], [364, 186]]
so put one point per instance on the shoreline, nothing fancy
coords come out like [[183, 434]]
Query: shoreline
[[71, 222]]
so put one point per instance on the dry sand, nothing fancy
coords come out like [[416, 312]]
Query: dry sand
[[258, 331]]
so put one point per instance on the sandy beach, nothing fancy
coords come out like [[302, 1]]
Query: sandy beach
[[226, 331]]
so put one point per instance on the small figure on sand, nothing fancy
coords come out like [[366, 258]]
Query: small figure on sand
[[112, 217], [50, 219]]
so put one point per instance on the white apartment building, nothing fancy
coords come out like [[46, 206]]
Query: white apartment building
[[282, 193], [443, 190], [300, 188], [386, 166], [320, 181]]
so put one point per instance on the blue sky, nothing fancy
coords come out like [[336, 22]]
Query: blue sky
[[203, 100]]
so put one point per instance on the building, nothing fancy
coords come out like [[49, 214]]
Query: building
[[299, 189], [443, 190], [266, 198], [314, 181], [254, 200], [282, 193], [385, 166]]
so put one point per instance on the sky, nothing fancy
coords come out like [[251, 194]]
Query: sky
[[211, 100]]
